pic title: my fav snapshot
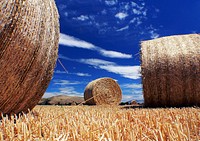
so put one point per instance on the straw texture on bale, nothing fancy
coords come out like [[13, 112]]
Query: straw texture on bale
[[103, 91], [29, 34], [171, 71]]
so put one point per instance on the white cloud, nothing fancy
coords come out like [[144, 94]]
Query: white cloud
[[137, 12], [137, 21], [131, 72], [134, 4], [132, 91], [70, 91], [121, 15], [64, 57], [123, 28], [96, 62], [111, 2], [60, 72], [75, 42], [114, 54], [132, 86], [130, 97], [78, 74], [126, 98], [144, 12], [82, 18], [82, 74], [153, 34], [50, 94], [65, 82], [126, 6], [133, 20]]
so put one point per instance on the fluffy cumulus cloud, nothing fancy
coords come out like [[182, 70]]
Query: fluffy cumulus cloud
[[131, 72], [71, 41], [121, 15]]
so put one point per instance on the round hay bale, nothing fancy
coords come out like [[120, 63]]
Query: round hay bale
[[103, 91], [171, 71], [29, 35]]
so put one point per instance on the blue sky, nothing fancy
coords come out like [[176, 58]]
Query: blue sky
[[101, 38]]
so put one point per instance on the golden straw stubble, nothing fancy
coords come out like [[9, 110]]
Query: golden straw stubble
[[103, 91], [171, 71], [29, 34]]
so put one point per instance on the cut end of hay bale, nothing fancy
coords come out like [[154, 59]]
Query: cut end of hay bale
[[103, 91], [29, 34], [171, 71]]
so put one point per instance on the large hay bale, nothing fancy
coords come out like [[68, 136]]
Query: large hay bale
[[103, 91], [171, 71], [29, 34]]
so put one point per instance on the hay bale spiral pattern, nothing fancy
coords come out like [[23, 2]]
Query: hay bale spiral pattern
[[103, 91], [171, 71], [29, 34]]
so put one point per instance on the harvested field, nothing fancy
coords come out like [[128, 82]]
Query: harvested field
[[100, 123]]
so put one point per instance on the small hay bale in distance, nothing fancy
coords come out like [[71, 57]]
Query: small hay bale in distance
[[29, 34], [171, 71], [103, 91]]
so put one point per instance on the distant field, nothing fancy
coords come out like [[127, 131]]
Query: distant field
[[98, 123]]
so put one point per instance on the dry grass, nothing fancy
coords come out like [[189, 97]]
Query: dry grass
[[103, 123]]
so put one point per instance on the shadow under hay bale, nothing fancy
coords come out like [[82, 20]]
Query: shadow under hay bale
[[29, 34], [103, 91], [171, 71]]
